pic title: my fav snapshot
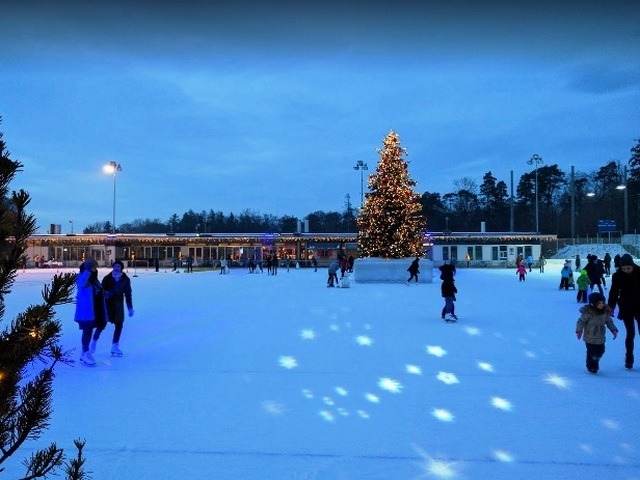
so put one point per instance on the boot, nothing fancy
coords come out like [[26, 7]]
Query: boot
[[628, 362], [92, 346], [115, 350], [87, 359]]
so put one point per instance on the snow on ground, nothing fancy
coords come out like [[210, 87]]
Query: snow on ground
[[599, 249], [278, 377]]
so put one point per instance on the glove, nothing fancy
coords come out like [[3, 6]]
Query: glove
[[131, 312], [611, 313], [579, 335], [615, 334]]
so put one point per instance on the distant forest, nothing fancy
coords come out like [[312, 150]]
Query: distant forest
[[597, 195]]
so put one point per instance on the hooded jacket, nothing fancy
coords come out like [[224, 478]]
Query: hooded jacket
[[592, 324]]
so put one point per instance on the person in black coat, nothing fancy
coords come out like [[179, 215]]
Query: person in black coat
[[449, 290], [625, 293], [414, 270], [117, 288], [595, 272]]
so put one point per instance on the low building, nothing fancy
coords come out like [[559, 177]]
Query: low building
[[484, 249]]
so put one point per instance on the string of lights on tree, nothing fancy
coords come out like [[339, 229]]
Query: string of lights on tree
[[390, 224]]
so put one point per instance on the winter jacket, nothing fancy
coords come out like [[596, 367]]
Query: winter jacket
[[595, 271], [565, 272], [88, 292], [592, 324], [334, 266], [414, 268], [116, 292], [625, 292], [448, 289], [583, 281]]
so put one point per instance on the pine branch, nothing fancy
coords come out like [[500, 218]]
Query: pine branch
[[43, 462], [75, 468]]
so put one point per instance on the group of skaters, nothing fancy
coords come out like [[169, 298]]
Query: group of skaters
[[596, 316], [101, 302], [343, 264]]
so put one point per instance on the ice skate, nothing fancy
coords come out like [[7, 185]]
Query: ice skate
[[88, 359], [115, 350], [450, 317]]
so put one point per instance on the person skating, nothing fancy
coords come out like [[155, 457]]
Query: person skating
[[521, 271], [591, 325], [334, 266], [625, 293], [449, 290], [583, 286], [91, 311], [414, 270], [117, 290]]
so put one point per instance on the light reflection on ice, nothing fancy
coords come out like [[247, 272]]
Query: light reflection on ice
[[501, 404], [473, 331], [432, 467], [307, 393], [503, 456], [390, 385], [436, 351], [447, 378], [308, 334], [364, 340], [288, 362], [273, 408], [611, 424], [414, 369], [485, 366], [442, 414], [341, 391], [557, 380], [530, 354], [363, 414], [326, 415], [372, 397]]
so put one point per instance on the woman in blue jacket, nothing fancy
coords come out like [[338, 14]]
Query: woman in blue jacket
[[91, 312]]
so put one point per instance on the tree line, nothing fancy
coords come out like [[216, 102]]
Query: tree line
[[597, 195]]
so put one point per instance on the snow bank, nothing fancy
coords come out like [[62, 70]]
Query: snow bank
[[382, 270]]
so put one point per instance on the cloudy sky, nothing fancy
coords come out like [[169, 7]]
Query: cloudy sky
[[233, 105]]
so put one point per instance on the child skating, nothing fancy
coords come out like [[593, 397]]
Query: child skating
[[449, 291], [591, 325], [521, 271], [583, 286]]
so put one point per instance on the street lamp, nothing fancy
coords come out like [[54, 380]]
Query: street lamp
[[360, 165], [112, 168], [536, 160], [623, 187]]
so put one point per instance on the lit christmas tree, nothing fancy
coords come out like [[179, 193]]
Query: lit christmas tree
[[391, 222]]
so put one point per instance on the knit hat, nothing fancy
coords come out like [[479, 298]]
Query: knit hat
[[596, 297], [626, 260]]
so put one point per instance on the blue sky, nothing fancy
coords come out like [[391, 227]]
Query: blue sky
[[269, 105]]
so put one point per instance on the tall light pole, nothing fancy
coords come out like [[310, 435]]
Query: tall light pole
[[360, 165], [623, 187], [536, 160], [112, 168]]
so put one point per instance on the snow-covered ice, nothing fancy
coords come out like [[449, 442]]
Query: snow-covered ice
[[278, 377]]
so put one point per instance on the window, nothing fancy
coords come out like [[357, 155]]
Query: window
[[478, 252], [499, 253]]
